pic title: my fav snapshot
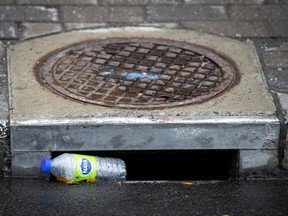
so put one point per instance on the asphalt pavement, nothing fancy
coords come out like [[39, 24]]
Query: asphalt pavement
[[44, 197]]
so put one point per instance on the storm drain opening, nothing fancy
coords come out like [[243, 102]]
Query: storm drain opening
[[174, 165]]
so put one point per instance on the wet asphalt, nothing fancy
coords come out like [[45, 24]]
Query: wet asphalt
[[44, 197]]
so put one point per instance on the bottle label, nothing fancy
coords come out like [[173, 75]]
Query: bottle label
[[85, 168]]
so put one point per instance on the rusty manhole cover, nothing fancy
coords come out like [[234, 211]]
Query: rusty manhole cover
[[136, 73]]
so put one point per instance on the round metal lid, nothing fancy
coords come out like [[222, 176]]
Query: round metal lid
[[136, 73]]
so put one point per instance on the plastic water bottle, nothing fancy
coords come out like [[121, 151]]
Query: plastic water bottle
[[74, 168]]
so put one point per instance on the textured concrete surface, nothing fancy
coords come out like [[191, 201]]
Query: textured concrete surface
[[5, 157], [35, 197], [3, 86], [28, 98]]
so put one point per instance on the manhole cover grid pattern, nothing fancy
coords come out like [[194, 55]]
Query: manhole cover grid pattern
[[136, 74]]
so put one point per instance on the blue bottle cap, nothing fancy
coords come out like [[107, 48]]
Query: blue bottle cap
[[46, 165]]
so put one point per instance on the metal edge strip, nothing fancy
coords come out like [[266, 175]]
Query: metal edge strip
[[143, 120]]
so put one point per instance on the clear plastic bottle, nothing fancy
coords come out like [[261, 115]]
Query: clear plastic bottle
[[74, 168]]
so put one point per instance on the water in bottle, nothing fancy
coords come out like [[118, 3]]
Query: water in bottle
[[74, 168]]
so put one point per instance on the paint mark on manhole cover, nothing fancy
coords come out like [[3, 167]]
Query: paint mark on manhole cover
[[136, 73]]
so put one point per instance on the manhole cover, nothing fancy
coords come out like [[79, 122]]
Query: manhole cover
[[136, 73]]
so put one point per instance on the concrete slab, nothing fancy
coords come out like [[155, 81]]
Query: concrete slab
[[32, 97], [283, 100], [4, 116], [4, 87], [255, 160], [241, 118]]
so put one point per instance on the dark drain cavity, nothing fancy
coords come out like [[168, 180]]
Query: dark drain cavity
[[179, 165], [136, 73]]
